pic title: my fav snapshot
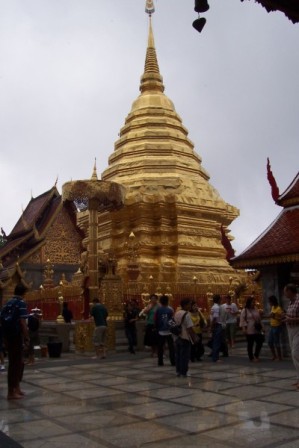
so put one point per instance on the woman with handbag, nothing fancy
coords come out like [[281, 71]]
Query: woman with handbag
[[250, 322]]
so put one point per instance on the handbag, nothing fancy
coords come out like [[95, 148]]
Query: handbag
[[174, 328], [258, 326]]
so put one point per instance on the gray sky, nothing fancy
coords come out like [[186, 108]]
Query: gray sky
[[70, 70]]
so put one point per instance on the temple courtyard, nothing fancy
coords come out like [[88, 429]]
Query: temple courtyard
[[128, 401]]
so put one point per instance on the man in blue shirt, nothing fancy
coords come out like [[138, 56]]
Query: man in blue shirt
[[15, 344], [162, 316]]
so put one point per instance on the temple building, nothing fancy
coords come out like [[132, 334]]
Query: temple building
[[45, 238], [275, 253]]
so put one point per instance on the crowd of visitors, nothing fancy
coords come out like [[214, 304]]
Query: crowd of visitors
[[180, 331]]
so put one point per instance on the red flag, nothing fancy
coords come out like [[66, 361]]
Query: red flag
[[272, 182], [230, 253]]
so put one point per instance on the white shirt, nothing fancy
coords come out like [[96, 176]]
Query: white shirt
[[232, 308]]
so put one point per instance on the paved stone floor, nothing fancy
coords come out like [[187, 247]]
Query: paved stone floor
[[128, 401]]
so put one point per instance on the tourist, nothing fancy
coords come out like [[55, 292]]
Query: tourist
[[185, 339], [151, 335], [99, 313], [33, 324], [67, 313], [292, 320], [15, 343], [199, 323], [218, 323], [2, 366], [130, 318], [275, 328], [161, 319], [232, 311], [250, 322]]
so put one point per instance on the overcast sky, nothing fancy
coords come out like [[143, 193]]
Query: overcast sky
[[70, 70]]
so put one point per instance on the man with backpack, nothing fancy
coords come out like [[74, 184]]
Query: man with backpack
[[16, 337], [162, 316]]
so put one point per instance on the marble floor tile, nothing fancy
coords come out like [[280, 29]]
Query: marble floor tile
[[197, 421], [43, 397], [35, 429], [190, 441], [134, 435], [64, 386], [218, 376], [246, 392], [291, 397], [250, 409], [90, 393], [254, 433], [288, 418], [207, 385], [111, 381], [204, 399], [155, 409], [114, 402], [70, 407], [67, 441], [17, 415], [166, 393], [95, 420], [136, 386], [40, 381]]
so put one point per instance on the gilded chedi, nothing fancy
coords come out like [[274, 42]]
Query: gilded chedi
[[173, 210]]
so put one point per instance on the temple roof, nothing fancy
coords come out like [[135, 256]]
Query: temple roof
[[291, 195], [279, 243], [289, 7], [30, 230], [33, 212]]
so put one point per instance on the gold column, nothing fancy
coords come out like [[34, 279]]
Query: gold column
[[93, 250]]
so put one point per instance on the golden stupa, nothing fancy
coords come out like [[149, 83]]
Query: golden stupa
[[173, 211]]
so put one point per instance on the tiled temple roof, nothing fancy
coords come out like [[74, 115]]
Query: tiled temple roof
[[33, 212], [291, 195], [30, 229], [279, 243]]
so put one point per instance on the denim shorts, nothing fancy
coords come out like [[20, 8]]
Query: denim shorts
[[274, 336]]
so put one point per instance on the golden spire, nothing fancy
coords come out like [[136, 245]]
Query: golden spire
[[151, 79], [94, 175]]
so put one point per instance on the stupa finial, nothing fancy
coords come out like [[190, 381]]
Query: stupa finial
[[151, 78], [149, 7], [94, 175]]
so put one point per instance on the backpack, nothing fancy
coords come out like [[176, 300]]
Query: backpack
[[10, 318], [33, 323], [174, 328]]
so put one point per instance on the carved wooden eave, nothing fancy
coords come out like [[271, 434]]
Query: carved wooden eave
[[7, 275]]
